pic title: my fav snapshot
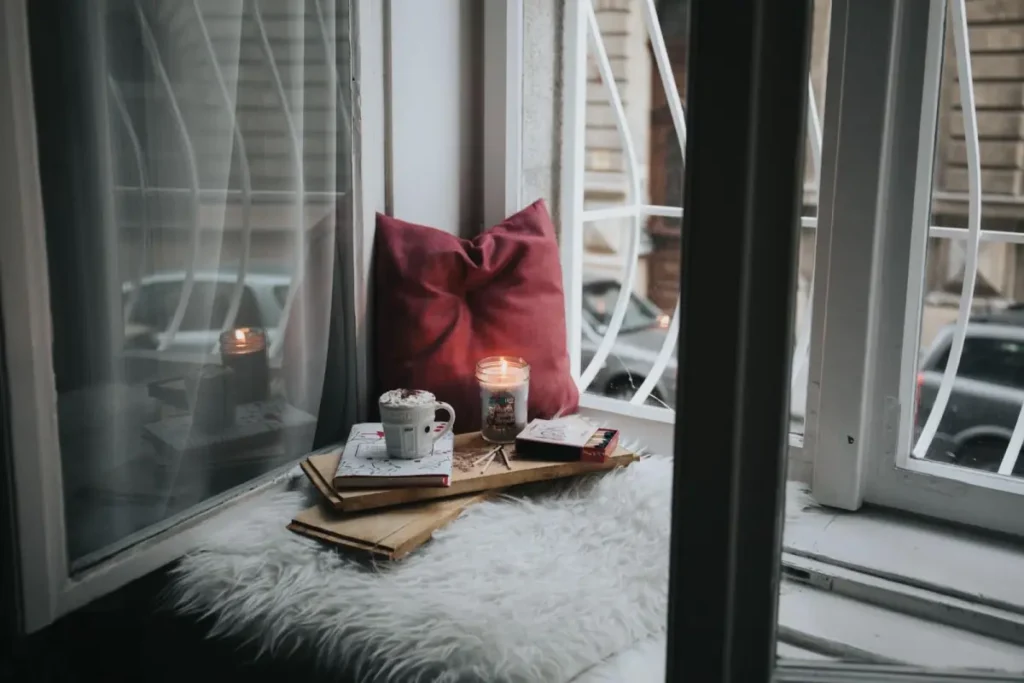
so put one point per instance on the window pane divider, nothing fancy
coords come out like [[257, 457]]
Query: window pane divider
[[838, 413], [742, 193]]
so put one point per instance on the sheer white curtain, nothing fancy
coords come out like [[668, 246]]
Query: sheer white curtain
[[203, 189]]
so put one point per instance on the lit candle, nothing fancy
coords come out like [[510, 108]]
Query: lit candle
[[504, 390], [244, 350]]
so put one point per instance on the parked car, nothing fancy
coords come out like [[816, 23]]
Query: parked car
[[644, 329], [263, 300], [987, 393]]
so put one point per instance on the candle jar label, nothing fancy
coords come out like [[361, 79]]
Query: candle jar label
[[501, 411], [504, 388], [504, 414]]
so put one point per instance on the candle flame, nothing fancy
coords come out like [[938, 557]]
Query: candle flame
[[504, 366], [240, 335]]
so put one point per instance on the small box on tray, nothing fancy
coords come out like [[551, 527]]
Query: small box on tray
[[566, 439]]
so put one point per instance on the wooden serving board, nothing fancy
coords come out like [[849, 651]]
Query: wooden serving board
[[384, 534], [320, 469]]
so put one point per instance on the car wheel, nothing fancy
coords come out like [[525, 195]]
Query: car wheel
[[620, 388], [983, 454]]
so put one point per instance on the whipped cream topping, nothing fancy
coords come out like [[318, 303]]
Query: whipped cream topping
[[405, 398]]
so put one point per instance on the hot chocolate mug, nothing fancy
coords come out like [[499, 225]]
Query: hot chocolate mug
[[408, 419]]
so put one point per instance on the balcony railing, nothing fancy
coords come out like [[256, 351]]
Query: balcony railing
[[583, 33], [586, 29], [199, 195]]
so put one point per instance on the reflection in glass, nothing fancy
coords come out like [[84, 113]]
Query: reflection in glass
[[974, 428], [191, 177]]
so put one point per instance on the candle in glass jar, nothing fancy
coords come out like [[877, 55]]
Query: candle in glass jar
[[504, 391], [244, 350]]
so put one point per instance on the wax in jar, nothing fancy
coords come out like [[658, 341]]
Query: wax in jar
[[504, 394]]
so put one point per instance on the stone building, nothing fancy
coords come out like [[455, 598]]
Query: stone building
[[997, 56]]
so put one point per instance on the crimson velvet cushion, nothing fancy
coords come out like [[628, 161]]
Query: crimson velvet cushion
[[442, 303]]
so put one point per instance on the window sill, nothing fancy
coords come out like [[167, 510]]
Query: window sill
[[903, 583], [928, 554], [954, 562], [154, 548], [655, 424], [922, 552]]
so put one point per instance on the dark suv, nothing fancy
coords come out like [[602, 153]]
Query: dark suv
[[987, 395]]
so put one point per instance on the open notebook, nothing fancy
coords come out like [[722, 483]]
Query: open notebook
[[364, 462]]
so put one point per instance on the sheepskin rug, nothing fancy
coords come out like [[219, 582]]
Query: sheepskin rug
[[540, 587], [549, 585]]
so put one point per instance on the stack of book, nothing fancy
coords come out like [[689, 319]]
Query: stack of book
[[388, 507]]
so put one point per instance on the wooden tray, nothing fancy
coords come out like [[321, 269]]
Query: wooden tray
[[320, 469], [384, 534]]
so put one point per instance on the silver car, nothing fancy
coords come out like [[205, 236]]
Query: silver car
[[153, 307], [644, 330]]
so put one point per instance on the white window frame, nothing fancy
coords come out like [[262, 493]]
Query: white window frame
[[582, 37], [858, 415], [878, 173], [48, 591], [503, 110]]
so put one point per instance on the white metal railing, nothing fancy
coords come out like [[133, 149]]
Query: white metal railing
[[297, 149], [153, 52], [247, 194], [961, 44], [632, 254], [243, 168], [634, 208], [140, 170], [577, 217], [675, 107], [802, 349], [973, 235]]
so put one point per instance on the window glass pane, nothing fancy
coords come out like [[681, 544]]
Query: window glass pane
[[648, 119], [599, 297], [972, 428], [997, 361], [189, 155], [850, 558], [609, 176]]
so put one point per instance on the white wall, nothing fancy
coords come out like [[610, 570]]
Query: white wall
[[435, 113], [542, 102]]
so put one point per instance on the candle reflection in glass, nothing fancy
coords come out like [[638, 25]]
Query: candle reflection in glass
[[244, 350], [504, 392]]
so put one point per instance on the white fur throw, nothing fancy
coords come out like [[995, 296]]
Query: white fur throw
[[538, 588]]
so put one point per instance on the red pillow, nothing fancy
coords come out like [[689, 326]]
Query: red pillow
[[442, 303]]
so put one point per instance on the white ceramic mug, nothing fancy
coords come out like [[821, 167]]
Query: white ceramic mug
[[408, 419]]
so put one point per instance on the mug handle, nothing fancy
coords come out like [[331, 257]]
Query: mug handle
[[441, 405]]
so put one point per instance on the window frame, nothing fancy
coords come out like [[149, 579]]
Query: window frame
[[48, 590], [879, 132], [878, 172], [578, 43], [741, 230]]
